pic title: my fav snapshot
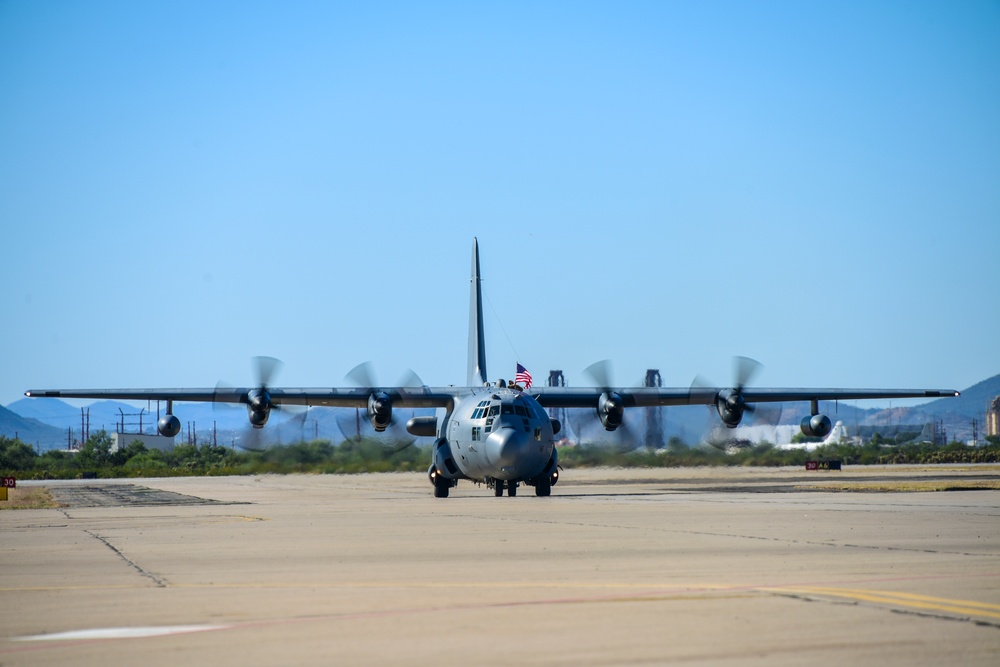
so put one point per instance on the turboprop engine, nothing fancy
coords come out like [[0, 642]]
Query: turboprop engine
[[379, 410], [258, 407], [730, 406], [611, 410]]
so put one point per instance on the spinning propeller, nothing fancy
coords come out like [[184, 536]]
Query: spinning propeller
[[259, 404], [610, 406], [730, 404], [379, 418]]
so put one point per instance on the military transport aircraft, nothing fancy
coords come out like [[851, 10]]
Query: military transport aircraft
[[499, 433]]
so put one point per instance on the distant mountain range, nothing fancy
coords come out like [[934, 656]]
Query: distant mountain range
[[32, 431], [51, 423]]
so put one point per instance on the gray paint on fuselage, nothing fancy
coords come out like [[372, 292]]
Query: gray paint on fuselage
[[514, 444]]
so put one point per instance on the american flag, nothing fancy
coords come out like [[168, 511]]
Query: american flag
[[523, 377]]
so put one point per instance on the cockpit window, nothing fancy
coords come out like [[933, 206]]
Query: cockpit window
[[494, 410], [508, 409], [519, 410]]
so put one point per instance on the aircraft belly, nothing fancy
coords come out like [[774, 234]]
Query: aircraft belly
[[484, 460]]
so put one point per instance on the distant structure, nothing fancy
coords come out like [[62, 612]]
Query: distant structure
[[932, 432], [123, 437], [557, 379], [654, 416], [993, 418]]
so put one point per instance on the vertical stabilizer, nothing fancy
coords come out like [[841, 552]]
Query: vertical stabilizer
[[477, 342]]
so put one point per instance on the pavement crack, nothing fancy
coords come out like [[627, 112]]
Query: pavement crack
[[159, 581]]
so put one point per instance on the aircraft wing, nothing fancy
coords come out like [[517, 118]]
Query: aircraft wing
[[352, 397], [781, 395], [584, 397], [632, 397]]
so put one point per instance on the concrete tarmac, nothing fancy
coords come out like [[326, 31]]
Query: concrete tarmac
[[617, 567]]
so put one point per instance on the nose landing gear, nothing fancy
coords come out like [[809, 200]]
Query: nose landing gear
[[499, 485]]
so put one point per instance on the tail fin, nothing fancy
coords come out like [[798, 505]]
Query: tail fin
[[477, 341]]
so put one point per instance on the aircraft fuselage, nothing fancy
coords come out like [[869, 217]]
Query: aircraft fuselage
[[497, 434]]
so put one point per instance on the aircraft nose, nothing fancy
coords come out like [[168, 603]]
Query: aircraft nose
[[507, 449]]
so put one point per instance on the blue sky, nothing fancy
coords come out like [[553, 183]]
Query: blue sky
[[185, 185]]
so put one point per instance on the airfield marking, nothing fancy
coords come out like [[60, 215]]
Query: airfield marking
[[512, 585], [898, 599], [968, 609], [121, 633]]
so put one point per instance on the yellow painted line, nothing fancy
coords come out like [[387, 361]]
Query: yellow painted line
[[928, 598], [898, 599]]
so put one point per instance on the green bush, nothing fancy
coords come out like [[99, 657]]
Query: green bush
[[321, 456]]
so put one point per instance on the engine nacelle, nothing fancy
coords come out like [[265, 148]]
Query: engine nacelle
[[817, 426], [379, 410], [168, 426], [730, 406], [611, 410], [258, 407]]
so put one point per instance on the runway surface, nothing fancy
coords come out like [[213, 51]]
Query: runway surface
[[618, 567]]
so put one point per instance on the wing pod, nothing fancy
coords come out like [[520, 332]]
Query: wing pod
[[816, 426], [422, 426], [168, 425]]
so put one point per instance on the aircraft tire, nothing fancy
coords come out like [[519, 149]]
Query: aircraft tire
[[511, 489], [441, 489], [543, 487], [498, 487]]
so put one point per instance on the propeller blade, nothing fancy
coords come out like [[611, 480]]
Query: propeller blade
[[362, 375], [744, 370], [410, 379], [599, 373], [252, 440], [266, 368], [701, 391]]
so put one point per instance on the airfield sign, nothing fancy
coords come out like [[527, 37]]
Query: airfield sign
[[7, 483]]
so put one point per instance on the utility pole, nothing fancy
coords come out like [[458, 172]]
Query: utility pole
[[85, 424]]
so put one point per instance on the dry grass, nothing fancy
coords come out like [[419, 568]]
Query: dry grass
[[908, 486], [28, 498]]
